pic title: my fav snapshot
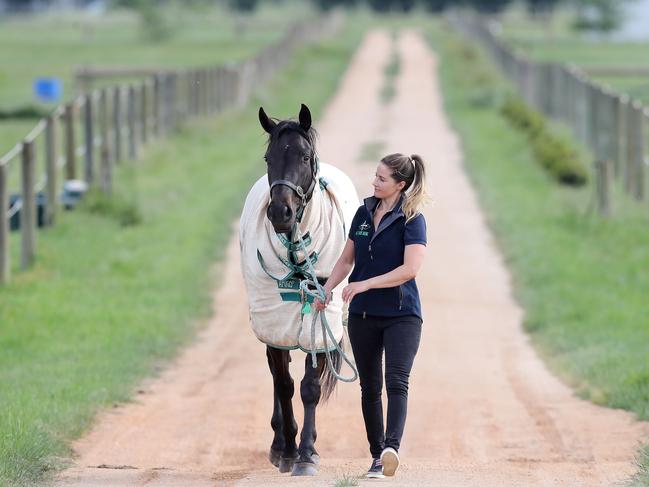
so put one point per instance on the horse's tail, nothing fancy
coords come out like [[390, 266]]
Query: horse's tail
[[328, 379]]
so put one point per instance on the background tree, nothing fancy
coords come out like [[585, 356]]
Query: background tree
[[243, 5], [380, 5], [489, 6], [599, 15], [405, 5], [329, 4], [437, 6], [543, 11], [541, 7]]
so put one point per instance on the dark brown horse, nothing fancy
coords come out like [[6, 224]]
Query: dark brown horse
[[292, 177]]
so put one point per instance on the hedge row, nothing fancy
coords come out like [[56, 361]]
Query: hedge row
[[554, 152]]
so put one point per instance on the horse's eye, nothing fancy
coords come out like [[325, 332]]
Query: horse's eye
[[306, 158]]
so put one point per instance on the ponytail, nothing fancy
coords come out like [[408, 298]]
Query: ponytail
[[417, 196]]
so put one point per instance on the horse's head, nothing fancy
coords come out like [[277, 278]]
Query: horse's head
[[291, 162]]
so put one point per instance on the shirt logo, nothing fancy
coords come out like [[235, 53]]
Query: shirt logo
[[363, 229]]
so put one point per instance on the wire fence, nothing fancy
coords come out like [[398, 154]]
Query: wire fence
[[612, 125], [86, 137]]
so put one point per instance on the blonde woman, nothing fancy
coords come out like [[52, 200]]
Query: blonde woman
[[384, 252]]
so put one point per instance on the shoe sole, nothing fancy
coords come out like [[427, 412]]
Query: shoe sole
[[390, 463], [374, 476]]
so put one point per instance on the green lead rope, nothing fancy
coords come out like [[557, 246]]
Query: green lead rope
[[319, 293]]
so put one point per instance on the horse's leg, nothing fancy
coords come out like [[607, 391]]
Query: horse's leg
[[277, 446], [307, 463], [283, 410]]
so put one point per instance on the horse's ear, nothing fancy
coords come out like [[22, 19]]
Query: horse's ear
[[305, 118], [266, 122]]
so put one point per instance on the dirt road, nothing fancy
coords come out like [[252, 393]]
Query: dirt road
[[484, 411]]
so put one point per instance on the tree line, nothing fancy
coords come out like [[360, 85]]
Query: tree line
[[602, 15]]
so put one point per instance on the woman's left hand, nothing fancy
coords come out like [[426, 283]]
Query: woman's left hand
[[353, 289]]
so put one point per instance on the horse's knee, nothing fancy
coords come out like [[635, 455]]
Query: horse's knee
[[310, 391], [285, 387]]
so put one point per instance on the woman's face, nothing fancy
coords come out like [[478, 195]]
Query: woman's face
[[385, 186]]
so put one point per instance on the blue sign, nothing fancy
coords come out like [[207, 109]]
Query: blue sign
[[48, 89]]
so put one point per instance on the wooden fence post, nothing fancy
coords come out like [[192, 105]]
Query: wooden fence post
[[544, 85], [213, 90], [637, 152], [132, 137], [219, 80], [602, 187], [615, 122], [89, 138], [5, 268], [186, 83], [156, 105], [206, 91], [164, 104], [105, 171], [174, 101], [623, 107], [51, 158], [583, 110], [198, 92], [194, 92], [28, 209], [603, 129], [117, 125], [171, 101], [70, 143], [144, 109], [574, 100]]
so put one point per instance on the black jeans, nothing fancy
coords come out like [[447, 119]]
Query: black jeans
[[399, 337]]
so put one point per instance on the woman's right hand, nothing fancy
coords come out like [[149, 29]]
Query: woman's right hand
[[319, 305]]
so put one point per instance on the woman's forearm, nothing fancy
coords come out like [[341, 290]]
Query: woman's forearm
[[339, 272], [394, 278]]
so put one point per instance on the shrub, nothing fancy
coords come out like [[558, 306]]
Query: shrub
[[555, 153], [126, 213]]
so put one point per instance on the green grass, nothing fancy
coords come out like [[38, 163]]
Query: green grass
[[54, 44], [372, 151], [582, 280], [641, 478], [106, 303], [568, 46], [347, 480], [390, 73]]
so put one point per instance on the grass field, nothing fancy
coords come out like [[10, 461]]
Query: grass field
[[53, 45], [106, 304], [562, 44], [581, 280]]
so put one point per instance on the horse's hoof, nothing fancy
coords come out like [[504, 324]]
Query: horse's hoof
[[286, 464], [304, 469], [274, 456]]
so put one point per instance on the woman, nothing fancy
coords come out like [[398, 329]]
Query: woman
[[386, 247]]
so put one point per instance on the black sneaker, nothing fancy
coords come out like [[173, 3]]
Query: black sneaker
[[376, 470]]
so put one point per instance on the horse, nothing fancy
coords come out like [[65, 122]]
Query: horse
[[293, 226]]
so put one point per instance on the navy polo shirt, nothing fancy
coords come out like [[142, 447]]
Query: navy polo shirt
[[380, 251]]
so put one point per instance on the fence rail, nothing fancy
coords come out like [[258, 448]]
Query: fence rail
[[103, 127], [612, 125]]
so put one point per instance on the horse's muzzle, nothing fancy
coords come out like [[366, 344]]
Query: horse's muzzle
[[281, 215]]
